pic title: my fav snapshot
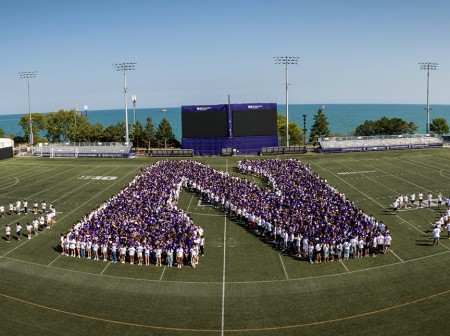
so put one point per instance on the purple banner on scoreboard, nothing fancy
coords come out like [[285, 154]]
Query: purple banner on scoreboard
[[242, 145], [204, 108], [254, 106]]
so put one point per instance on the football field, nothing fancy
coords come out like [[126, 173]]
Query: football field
[[243, 285]]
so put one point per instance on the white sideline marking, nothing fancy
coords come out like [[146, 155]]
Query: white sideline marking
[[233, 282]]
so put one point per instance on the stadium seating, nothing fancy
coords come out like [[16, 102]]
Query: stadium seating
[[84, 149], [385, 142], [283, 150]]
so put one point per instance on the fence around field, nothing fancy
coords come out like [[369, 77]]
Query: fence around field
[[385, 142]]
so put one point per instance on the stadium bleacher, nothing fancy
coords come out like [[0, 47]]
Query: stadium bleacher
[[377, 143], [84, 149]]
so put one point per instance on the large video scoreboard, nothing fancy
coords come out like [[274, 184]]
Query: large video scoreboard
[[244, 128]]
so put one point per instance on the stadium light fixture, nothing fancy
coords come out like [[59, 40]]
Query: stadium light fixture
[[27, 75], [133, 99], [428, 66], [126, 66], [286, 60]]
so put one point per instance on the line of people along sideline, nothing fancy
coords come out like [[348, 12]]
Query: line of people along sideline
[[45, 219]]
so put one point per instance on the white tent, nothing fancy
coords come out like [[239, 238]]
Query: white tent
[[5, 142]]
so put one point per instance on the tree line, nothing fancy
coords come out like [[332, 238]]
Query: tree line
[[70, 125]]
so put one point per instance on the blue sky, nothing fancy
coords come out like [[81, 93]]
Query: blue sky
[[194, 52]]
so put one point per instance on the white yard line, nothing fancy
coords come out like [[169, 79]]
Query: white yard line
[[109, 262], [397, 256], [51, 263], [224, 266], [282, 264], [162, 274], [342, 263], [192, 196], [223, 273]]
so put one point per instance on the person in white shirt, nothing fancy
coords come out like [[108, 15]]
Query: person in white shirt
[[139, 251], [448, 229], [420, 199], [429, 199], [180, 256], [436, 235], [413, 199], [18, 228], [122, 253], [193, 252], [18, 205], [387, 242], [131, 252], [158, 256], [25, 206], [29, 230], [8, 233], [2, 211]]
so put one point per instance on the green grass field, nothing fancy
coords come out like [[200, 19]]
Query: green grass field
[[242, 286]]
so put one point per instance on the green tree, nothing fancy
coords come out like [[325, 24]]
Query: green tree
[[96, 132], [149, 131], [164, 135], [138, 134], [80, 128], [38, 122], [115, 133], [439, 126], [295, 133], [385, 126], [2, 133], [60, 125], [319, 129]]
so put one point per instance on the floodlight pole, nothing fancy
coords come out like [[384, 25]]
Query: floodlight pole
[[124, 67], [304, 132], [286, 60], [27, 75], [85, 111], [428, 66]]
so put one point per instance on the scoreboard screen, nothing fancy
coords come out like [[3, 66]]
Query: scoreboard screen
[[204, 124], [257, 122]]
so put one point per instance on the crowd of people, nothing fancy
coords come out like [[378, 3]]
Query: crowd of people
[[310, 218], [299, 211], [45, 219], [141, 224]]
